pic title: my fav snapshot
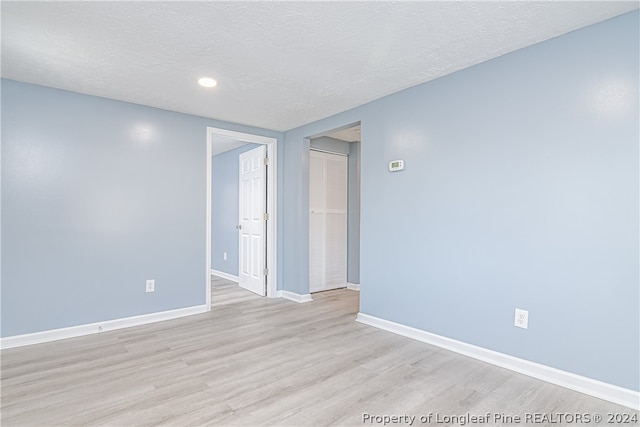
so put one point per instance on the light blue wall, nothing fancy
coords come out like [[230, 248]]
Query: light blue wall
[[98, 196], [330, 144], [520, 190], [225, 209], [353, 265]]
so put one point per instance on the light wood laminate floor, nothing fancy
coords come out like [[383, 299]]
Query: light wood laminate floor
[[258, 361]]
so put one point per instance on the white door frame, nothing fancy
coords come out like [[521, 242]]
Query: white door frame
[[272, 244]]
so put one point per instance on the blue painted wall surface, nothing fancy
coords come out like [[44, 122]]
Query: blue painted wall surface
[[331, 145], [225, 209], [520, 190], [98, 196], [353, 265]]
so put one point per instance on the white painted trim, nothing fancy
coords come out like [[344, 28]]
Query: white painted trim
[[272, 224], [353, 286], [322, 150], [330, 288], [292, 296], [272, 205], [208, 221], [98, 327], [240, 136], [599, 389], [225, 275]]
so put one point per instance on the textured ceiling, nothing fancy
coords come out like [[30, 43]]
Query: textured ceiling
[[279, 64]]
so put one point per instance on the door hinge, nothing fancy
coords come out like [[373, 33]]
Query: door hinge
[[266, 216], [266, 271], [266, 160]]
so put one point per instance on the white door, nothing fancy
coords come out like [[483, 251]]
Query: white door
[[327, 221], [251, 224]]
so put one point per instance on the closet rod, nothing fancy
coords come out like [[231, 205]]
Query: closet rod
[[328, 152]]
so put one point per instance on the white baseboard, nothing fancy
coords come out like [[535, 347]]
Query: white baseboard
[[353, 286], [329, 288], [599, 389], [98, 327], [294, 297], [225, 275]]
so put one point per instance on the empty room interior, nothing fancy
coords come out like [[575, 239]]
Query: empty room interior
[[210, 213]]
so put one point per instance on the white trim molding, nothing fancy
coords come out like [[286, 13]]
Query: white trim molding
[[225, 275], [599, 389], [98, 327], [292, 296], [353, 286]]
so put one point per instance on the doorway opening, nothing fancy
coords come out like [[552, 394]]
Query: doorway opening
[[223, 140], [334, 209]]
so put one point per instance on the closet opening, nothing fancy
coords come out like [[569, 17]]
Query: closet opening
[[334, 210]]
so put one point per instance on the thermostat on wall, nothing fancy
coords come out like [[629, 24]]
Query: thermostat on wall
[[396, 165]]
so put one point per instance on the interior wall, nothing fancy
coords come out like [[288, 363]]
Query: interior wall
[[97, 197], [225, 209], [520, 191], [353, 265], [331, 145]]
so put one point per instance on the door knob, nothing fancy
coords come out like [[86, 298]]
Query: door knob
[[239, 227]]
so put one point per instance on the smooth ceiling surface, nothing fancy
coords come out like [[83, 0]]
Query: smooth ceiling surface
[[279, 64], [350, 134]]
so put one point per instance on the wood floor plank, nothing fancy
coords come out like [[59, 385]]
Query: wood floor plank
[[259, 361]]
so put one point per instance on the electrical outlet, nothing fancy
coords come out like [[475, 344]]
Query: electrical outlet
[[224, 256], [521, 319], [151, 285]]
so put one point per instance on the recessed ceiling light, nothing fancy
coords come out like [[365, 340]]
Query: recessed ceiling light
[[207, 82]]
